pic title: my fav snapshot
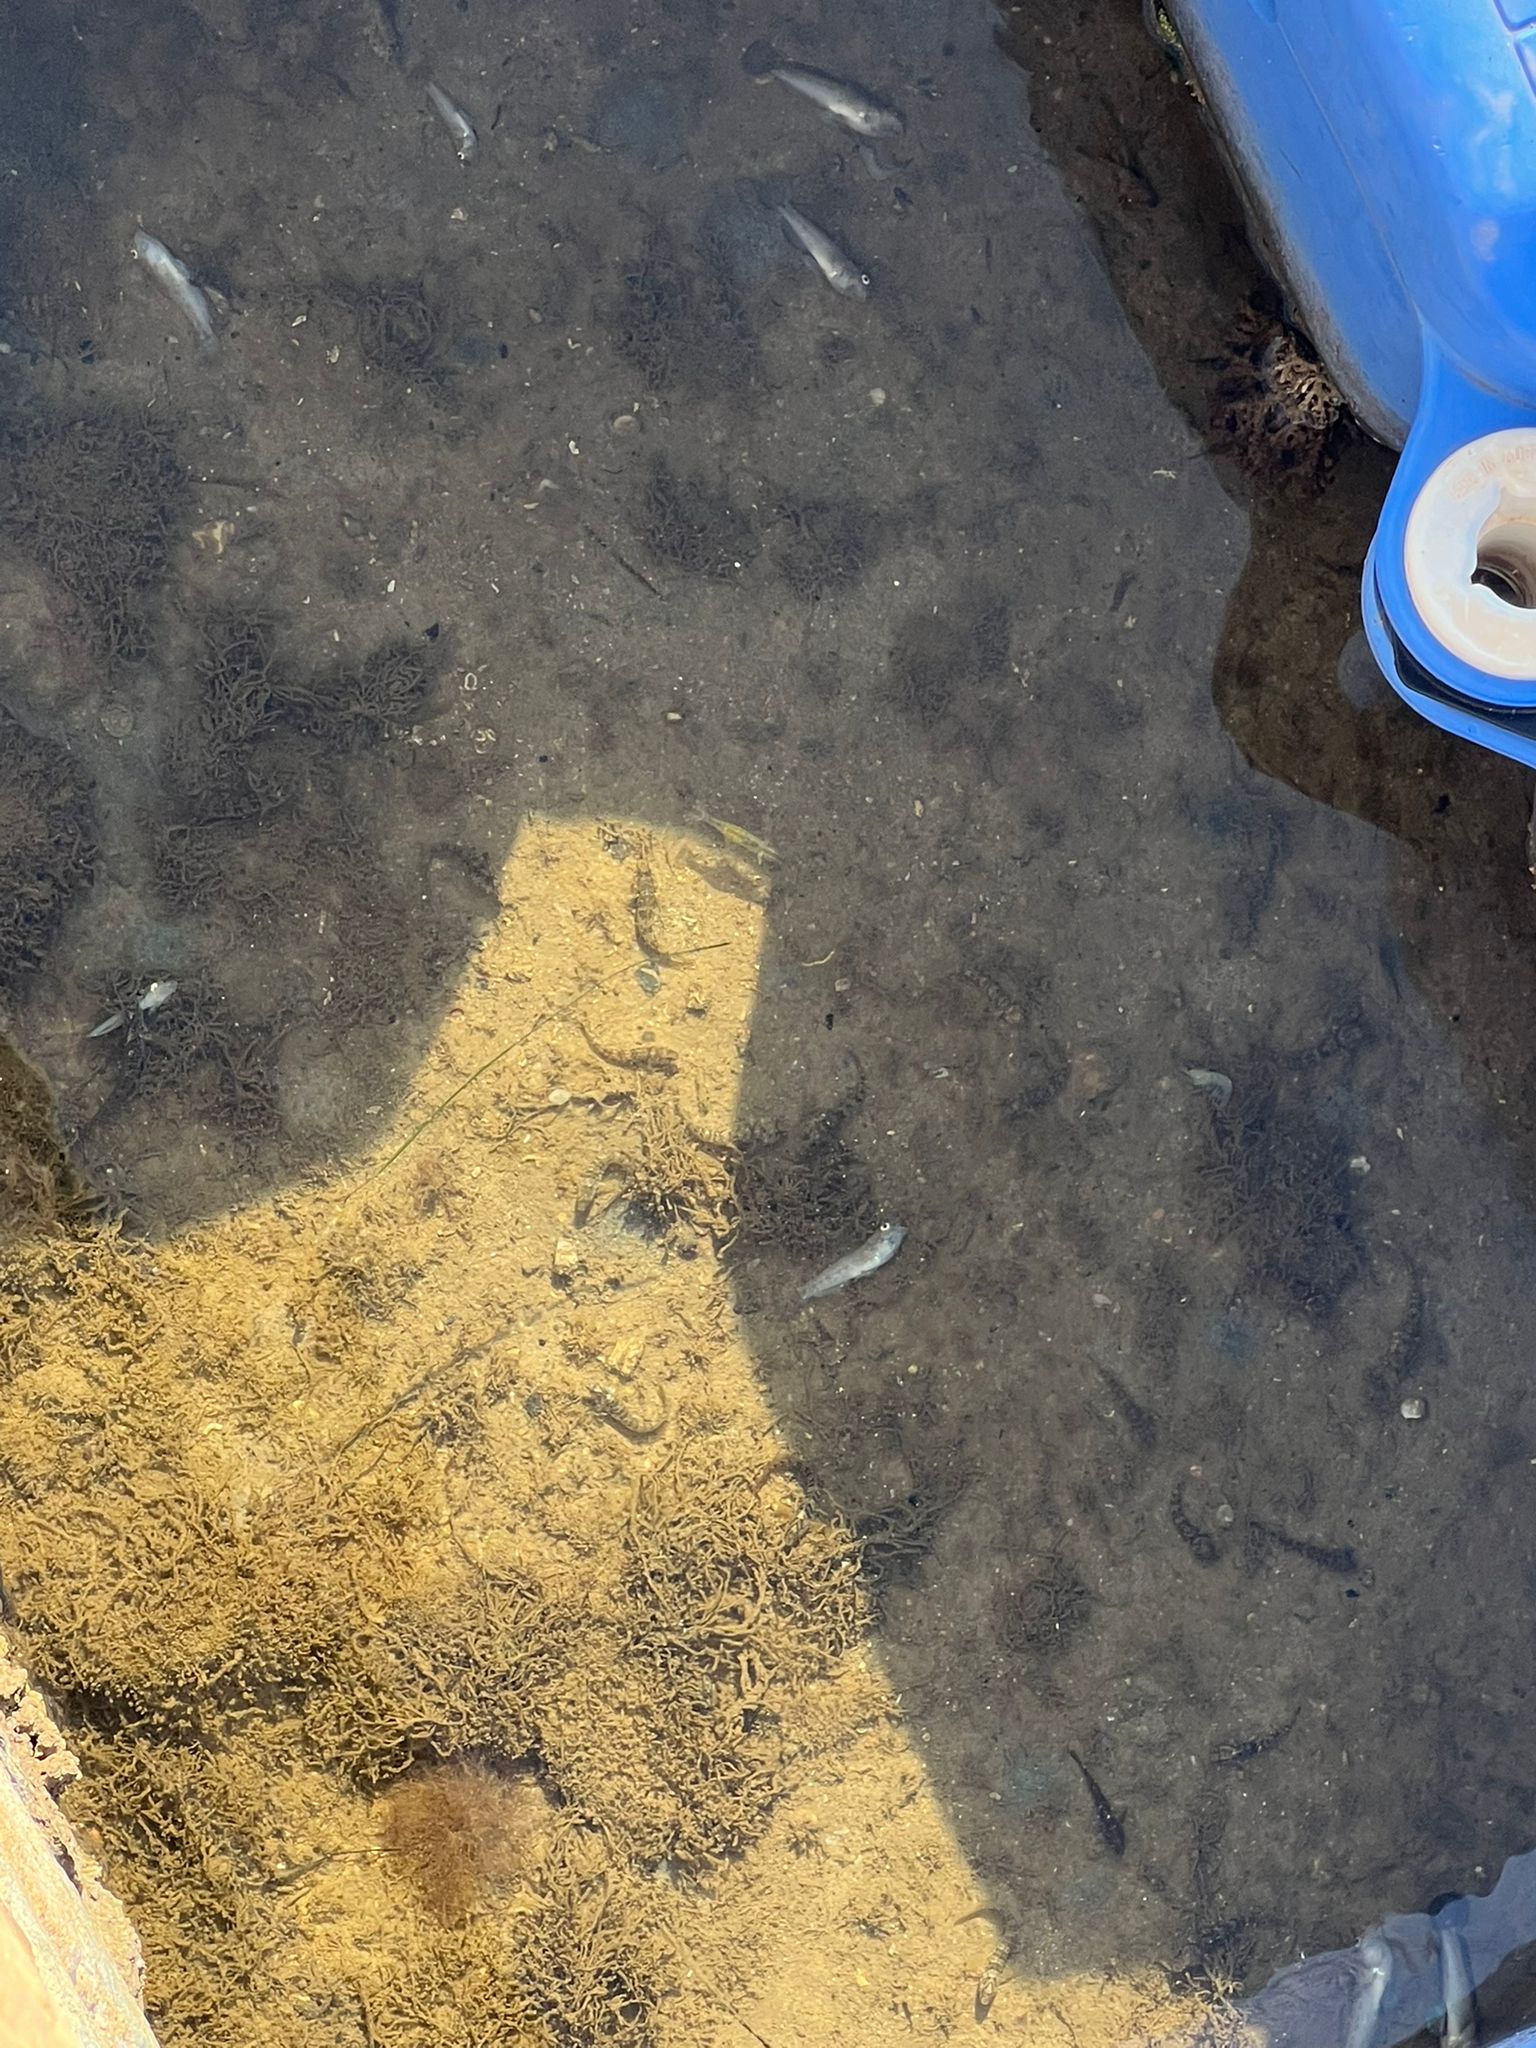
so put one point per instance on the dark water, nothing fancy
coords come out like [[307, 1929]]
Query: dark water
[[1059, 723]]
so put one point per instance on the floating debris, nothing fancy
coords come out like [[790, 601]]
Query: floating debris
[[741, 839]]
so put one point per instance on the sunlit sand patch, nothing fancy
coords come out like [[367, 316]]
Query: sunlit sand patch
[[463, 1657]]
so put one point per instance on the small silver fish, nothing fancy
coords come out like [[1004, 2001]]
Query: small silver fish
[[456, 121], [869, 1258], [175, 280], [834, 266], [1375, 1976], [158, 993], [848, 105]]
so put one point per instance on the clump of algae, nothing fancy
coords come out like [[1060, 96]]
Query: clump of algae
[[231, 1593], [407, 1686], [731, 1593], [580, 1964], [38, 1186], [439, 1678]]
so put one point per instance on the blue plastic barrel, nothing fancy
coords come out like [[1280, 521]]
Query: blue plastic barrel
[[1386, 150]]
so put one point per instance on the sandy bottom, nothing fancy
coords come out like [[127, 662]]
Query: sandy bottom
[[486, 1604], [478, 1663]]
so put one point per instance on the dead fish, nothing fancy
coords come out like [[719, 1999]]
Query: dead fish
[[175, 280], [1210, 1082], [1376, 1975], [834, 266], [456, 121], [869, 1258], [157, 993], [848, 105]]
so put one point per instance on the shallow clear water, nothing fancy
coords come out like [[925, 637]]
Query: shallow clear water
[[1164, 979]]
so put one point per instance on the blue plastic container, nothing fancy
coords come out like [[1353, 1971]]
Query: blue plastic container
[[1386, 150]]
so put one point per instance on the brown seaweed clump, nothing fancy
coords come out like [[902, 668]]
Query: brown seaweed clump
[[368, 703], [440, 1679], [92, 502], [467, 1832], [1278, 410], [680, 322], [807, 1198], [400, 328], [249, 747], [672, 1179], [193, 1035], [215, 763], [733, 1594], [942, 662], [47, 844], [826, 546], [201, 1609], [579, 1967], [693, 526], [178, 1831], [38, 1186], [1275, 1185]]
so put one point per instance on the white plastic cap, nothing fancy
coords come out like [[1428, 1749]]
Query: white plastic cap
[[1470, 554]]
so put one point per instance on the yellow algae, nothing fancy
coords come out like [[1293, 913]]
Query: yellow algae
[[421, 1700]]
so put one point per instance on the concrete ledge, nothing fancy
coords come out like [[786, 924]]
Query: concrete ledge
[[71, 1973]]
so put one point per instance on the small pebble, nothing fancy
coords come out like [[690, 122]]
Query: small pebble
[[558, 1097], [1226, 1515], [1414, 1409]]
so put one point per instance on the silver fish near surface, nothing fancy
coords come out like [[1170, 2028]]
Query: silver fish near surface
[[1375, 1978], [848, 105], [175, 280], [869, 1258], [456, 121], [1460, 2000], [839, 270]]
